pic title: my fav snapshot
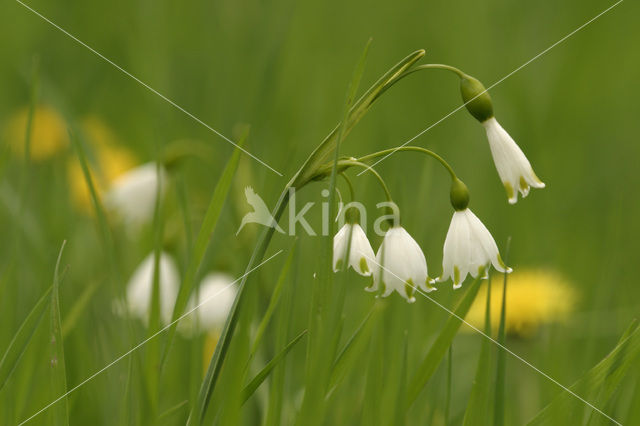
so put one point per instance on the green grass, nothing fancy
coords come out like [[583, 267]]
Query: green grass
[[304, 345]]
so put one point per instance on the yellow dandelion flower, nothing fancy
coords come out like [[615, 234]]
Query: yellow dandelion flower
[[111, 161], [48, 132], [534, 297]]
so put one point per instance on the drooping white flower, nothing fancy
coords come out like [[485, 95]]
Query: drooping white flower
[[360, 254], [141, 284], [513, 167], [400, 266], [468, 248], [215, 296], [132, 196]]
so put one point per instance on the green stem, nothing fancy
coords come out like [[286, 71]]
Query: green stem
[[410, 148], [437, 67], [352, 193], [372, 171]]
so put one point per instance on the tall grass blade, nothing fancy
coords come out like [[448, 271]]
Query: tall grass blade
[[273, 301], [253, 385], [501, 361], [202, 241], [354, 347], [322, 325], [59, 412], [596, 386], [442, 343], [22, 338], [478, 412]]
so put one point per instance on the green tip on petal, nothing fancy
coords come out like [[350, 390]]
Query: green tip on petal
[[409, 289], [339, 264], [523, 184], [501, 263], [510, 192], [364, 268], [456, 277]]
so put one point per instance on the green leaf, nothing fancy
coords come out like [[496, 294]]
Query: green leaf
[[596, 386], [442, 342], [253, 385], [22, 338], [60, 411], [322, 153], [477, 412], [501, 362], [202, 241], [323, 327], [354, 347], [273, 301]]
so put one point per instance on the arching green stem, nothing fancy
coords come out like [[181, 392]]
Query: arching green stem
[[349, 163], [436, 67], [352, 193], [409, 148]]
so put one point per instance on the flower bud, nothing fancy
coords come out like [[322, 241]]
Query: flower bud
[[476, 99], [459, 195]]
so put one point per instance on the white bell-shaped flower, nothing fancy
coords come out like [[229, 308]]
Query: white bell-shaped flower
[[360, 252], [141, 283], [468, 249], [132, 196], [215, 296], [400, 266], [513, 167]]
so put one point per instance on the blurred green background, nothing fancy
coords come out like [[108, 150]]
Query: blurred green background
[[283, 68]]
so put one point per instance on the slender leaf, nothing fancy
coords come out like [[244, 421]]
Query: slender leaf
[[351, 351], [202, 241], [253, 385], [596, 386], [442, 342], [477, 412], [60, 411], [501, 361], [273, 301], [22, 338], [322, 327]]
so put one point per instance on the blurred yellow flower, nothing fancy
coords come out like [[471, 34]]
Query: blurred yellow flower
[[534, 297], [48, 132], [111, 161], [209, 347]]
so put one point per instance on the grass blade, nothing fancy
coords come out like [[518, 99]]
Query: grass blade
[[22, 338], [253, 385], [354, 346], [273, 301], [442, 343], [477, 412], [202, 241], [597, 385], [60, 411], [321, 325], [501, 362]]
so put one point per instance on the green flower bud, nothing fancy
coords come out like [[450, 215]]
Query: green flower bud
[[476, 99], [352, 215], [459, 195]]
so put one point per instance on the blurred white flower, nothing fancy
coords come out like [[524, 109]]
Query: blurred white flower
[[468, 248], [141, 283], [215, 297], [132, 196], [513, 167], [400, 266], [360, 254]]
